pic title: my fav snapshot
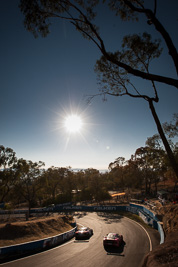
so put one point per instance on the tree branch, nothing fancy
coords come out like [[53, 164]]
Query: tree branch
[[159, 27]]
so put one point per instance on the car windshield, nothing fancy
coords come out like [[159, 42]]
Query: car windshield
[[83, 229]]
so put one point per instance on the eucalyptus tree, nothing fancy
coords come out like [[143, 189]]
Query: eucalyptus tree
[[117, 172], [57, 184], [133, 177], [114, 81], [83, 192], [52, 180], [171, 128], [155, 143], [68, 183], [115, 69], [96, 187], [28, 183], [141, 157], [150, 161], [7, 175]]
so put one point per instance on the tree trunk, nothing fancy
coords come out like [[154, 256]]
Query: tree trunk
[[164, 139]]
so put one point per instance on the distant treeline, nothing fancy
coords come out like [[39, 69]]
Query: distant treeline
[[26, 181]]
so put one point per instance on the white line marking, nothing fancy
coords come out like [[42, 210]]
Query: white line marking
[[144, 230]]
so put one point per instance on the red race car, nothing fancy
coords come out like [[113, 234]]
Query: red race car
[[83, 233], [112, 239]]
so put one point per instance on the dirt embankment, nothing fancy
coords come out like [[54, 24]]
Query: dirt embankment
[[34, 229], [166, 255]]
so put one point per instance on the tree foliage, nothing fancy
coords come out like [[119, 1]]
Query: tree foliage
[[7, 176], [114, 68], [27, 184], [81, 15]]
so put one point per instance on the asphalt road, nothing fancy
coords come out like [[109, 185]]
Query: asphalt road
[[90, 253]]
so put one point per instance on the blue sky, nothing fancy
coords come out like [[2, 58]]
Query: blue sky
[[44, 80]]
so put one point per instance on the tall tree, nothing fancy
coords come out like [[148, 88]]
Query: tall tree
[[115, 68], [28, 183], [117, 171], [150, 161], [139, 51], [155, 144], [7, 175], [142, 158], [52, 178]]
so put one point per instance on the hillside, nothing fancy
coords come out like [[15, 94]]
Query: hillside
[[18, 232]]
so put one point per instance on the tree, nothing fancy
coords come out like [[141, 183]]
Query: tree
[[28, 183], [150, 161], [133, 174], [119, 162], [114, 69], [155, 143], [7, 175], [117, 171], [141, 156], [7, 157], [171, 128], [81, 14], [140, 50], [53, 179]]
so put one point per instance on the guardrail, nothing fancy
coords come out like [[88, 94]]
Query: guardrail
[[151, 218], [35, 246]]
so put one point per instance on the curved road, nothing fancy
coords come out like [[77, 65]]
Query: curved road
[[89, 253]]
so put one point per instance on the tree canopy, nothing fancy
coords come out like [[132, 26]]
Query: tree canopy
[[81, 15], [115, 69]]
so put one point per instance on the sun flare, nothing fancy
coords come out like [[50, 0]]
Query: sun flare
[[73, 123]]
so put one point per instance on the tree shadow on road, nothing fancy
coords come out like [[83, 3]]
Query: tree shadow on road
[[110, 218], [79, 215]]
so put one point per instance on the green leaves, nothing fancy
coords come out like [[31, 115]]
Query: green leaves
[[7, 157], [139, 50], [111, 77], [37, 14], [122, 8], [36, 18]]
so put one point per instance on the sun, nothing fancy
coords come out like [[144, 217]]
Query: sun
[[73, 123]]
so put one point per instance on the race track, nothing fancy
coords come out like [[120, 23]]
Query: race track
[[90, 253]]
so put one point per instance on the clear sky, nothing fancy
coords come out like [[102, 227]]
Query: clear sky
[[44, 80]]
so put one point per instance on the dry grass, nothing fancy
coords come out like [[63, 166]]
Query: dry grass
[[20, 232]]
